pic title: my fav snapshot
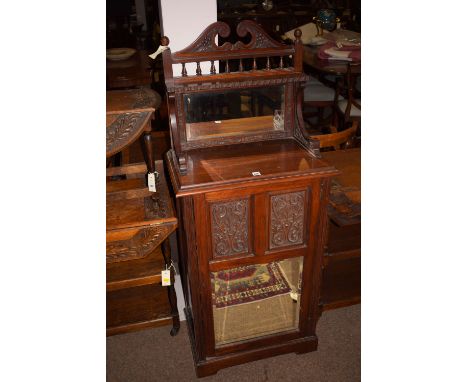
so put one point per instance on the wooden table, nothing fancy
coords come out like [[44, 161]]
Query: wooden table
[[132, 72], [324, 69], [314, 63], [341, 284], [128, 116]]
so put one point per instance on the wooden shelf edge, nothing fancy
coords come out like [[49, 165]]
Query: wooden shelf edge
[[134, 282], [138, 326], [343, 255]]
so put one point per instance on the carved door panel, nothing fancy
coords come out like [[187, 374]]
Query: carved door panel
[[255, 250]]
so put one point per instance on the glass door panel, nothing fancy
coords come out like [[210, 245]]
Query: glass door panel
[[256, 300]]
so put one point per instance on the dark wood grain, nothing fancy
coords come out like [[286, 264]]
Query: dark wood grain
[[248, 198], [135, 71], [139, 223], [128, 117], [342, 262]]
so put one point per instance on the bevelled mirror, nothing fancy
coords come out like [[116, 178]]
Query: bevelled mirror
[[234, 112]]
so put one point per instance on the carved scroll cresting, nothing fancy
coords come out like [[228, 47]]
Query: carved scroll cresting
[[230, 228], [287, 219]]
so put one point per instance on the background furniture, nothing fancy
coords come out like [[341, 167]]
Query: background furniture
[[133, 72], [128, 117], [349, 109], [320, 98], [337, 139], [251, 195], [342, 262], [139, 221], [137, 250]]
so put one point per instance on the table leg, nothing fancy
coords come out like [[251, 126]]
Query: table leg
[[166, 251], [148, 151]]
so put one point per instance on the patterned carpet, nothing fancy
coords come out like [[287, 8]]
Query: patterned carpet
[[247, 284]]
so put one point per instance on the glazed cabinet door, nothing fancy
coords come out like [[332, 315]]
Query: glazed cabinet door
[[256, 248]]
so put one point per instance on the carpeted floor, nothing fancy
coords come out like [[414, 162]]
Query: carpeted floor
[[153, 355]]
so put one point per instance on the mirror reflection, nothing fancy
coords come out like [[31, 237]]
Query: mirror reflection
[[234, 112]]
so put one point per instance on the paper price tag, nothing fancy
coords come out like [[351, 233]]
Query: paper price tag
[[151, 182], [166, 277]]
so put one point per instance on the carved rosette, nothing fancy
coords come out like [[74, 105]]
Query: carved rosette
[[230, 228], [139, 246], [287, 219]]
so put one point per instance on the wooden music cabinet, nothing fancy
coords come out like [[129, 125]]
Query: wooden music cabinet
[[251, 193]]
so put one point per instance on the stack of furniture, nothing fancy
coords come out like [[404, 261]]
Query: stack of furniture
[[139, 222], [252, 193]]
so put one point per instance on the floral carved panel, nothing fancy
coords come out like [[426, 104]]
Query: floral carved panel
[[287, 219], [230, 228]]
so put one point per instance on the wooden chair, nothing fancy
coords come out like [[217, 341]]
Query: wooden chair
[[318, 96], [337, 140], [349, 110]]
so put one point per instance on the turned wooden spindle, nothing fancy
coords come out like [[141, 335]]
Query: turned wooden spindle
[[254, 65], [241, 67], [212, 69], [268, 66], [281, 65], [198, 69], [227, 66], [184, 70], [299, 51]]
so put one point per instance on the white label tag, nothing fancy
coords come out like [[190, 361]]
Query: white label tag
[[151, 182], [256, 173], [166, 277]]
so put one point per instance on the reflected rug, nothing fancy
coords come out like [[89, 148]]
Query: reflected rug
[[247, 284]]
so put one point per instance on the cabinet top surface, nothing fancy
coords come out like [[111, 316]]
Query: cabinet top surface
[[249, 162]]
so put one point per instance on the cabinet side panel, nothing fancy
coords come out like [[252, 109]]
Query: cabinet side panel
[[192, 279]]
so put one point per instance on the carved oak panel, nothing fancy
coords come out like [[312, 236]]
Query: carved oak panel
[[230, 228], [287, 219]]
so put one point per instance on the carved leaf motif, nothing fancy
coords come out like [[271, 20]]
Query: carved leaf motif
[[229, 224], [287, 219], [143, 243], [120, 132], [146, 98]]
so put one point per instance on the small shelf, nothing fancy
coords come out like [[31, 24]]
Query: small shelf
[[341, 283], [137, 308], [125, 274]]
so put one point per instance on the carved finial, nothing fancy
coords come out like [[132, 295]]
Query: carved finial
[[298, 34], [165, 41]]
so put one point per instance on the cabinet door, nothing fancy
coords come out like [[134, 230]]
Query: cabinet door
[[255, 247]]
